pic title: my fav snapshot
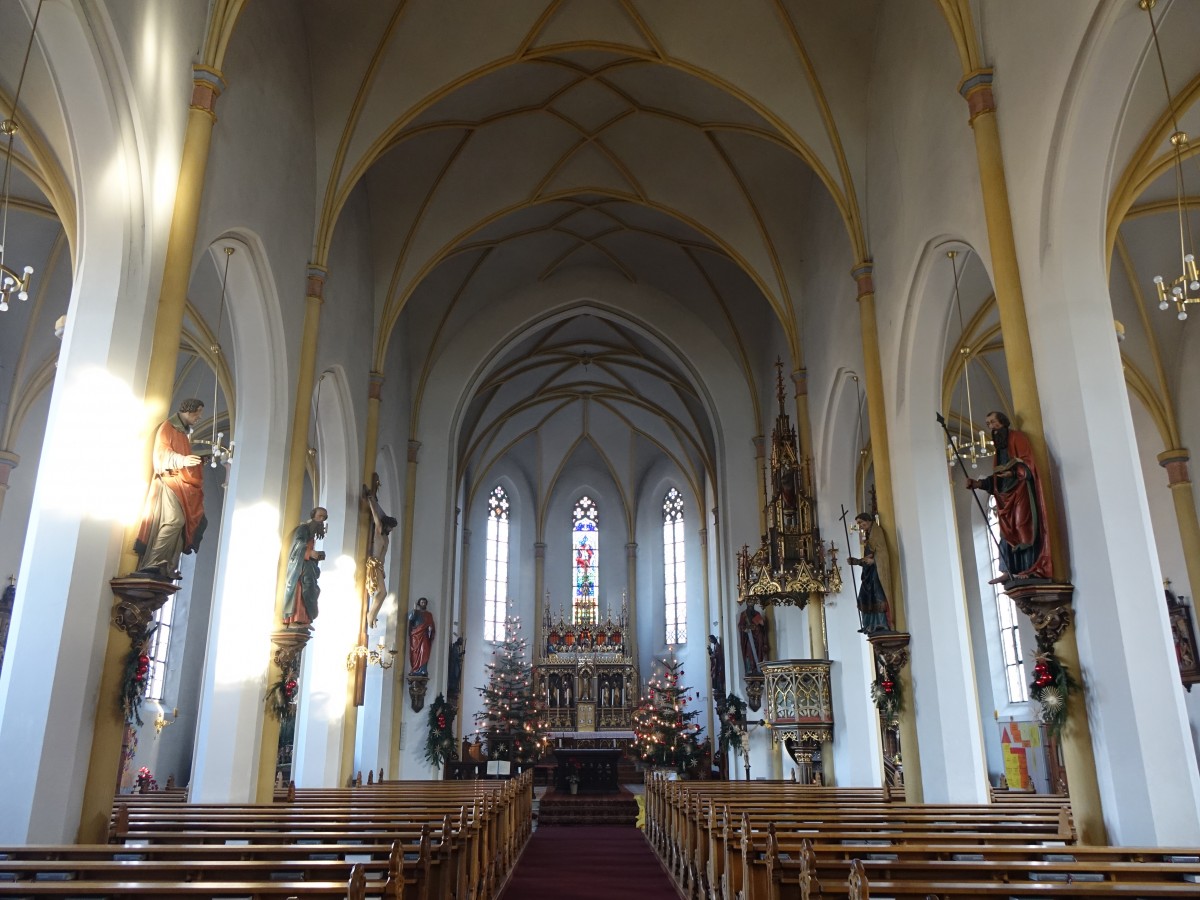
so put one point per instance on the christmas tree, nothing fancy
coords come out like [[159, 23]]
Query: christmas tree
[[662, 724], [512, 716]]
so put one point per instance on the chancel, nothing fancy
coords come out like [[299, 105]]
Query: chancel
[[581, 378]]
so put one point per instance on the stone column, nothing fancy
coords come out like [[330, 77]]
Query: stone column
[[358, 688], [540, 601], [293, 494], [881, 454], [760, 461], [207, 84], [402, 601], [107, 738], [709, 628], [631, 581], [1076, 744], [1176, 463]]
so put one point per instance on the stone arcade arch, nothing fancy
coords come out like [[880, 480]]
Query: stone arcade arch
[[715, 372], [948, 715], [231, 706]]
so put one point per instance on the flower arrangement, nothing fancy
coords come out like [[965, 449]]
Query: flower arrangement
[[439, 741], [145, 781], [134, 677], [281, 697], [1051, 686], [885, 692]]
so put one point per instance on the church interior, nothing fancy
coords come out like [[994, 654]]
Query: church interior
[[637, 340]]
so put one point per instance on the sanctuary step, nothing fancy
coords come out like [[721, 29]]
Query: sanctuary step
[[559, 808]]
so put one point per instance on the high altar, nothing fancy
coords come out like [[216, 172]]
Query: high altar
[[587, 674]]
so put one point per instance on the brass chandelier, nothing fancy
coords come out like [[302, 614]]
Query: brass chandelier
[[1184, 288], [966, 445], [12, 282]]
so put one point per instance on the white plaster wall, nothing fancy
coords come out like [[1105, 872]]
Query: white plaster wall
[[260, 164]]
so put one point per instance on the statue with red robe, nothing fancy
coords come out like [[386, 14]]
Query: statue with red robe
[[420, 638], [1020, 507], [173, 518]]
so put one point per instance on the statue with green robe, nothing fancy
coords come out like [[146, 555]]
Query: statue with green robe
[[876, 585]]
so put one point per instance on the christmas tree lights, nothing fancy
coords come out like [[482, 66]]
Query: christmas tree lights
[[512, 716], [664, 733]]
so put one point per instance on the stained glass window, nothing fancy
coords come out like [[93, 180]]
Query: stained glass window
[[674, 581], [495, 588], [585, 565]]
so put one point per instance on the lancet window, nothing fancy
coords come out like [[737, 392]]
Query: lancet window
[[585, 561], [495, 589], [160, 645], [1006, 612], [674, 579]]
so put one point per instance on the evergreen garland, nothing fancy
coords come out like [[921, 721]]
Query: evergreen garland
[[1051, 687], [133, 680], [662, 725], [513, 717], [732, 712], [885, 692], [281, 696], [439, 742]]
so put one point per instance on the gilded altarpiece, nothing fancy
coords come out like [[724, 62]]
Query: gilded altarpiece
[[586, 674]]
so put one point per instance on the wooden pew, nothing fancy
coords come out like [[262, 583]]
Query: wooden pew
[[859, 887], [422, 840], [828, 869], [802, 843], [476, 845], [353, 889]]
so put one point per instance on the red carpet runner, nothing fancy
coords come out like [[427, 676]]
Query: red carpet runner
[[588, 862], [587, 809]]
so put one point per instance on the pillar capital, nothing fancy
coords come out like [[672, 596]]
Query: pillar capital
[[1175, 461], [8, 462], [466, 537], [207, 85], [976, 89], [375, 386], [863, 274], [414, 448], [800, 380], [314, 281], [760, 446], [539, 550], [631, 549]]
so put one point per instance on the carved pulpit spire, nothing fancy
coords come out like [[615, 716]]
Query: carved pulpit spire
[[791, 561]]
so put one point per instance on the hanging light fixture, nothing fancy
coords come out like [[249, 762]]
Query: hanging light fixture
[[1185, 287], [220, 453], [12, 282], [966, 445]]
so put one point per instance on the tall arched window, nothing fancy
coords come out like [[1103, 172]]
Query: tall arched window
[[1006, 612], [585, 566], [674, 580], [495, 589]]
